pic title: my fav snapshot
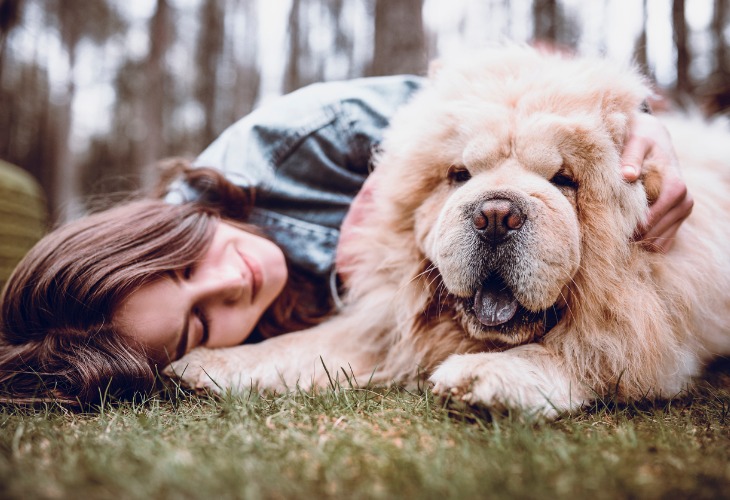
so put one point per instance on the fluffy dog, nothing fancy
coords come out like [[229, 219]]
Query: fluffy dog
[[498, 261]]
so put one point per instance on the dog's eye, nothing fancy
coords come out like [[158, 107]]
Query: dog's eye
[[458, 174], [562, 179]]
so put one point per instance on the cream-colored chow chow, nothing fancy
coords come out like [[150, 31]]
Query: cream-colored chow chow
[[498, 261]]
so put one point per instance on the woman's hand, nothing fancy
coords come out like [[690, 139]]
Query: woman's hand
[[649, 140]]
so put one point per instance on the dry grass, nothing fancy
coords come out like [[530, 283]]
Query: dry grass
[[362, 443]]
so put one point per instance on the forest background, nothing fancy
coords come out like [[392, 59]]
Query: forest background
[[94, 92]]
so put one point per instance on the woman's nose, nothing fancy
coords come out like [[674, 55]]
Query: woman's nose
[[228, 288]]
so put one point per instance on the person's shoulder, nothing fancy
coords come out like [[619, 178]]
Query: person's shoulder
[[382, 84], [369, 91], [390, 91], [322, 102], [370, 99]]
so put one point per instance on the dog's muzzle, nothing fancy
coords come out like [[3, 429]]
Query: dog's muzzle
[[495, 219]]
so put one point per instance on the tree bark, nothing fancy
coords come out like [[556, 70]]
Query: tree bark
[[683, 84], [716, 89], [209, 53], [344, 43], [65, 192], [152, 146], [640, 53], [244, 59], [545, 20], [400, 42], [10, 12], [292, 77], [718, 25]]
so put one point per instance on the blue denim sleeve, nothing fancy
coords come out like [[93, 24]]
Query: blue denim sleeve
[[308, 154]]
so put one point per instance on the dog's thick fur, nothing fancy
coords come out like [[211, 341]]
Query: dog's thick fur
[[534, 142]]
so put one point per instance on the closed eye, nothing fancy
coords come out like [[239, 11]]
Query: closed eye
[[187, 272], [205, 322], [183, 346]]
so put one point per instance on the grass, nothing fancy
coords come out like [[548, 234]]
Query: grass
[[362, 443]]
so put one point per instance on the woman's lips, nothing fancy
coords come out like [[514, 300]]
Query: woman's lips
[[256, 274]]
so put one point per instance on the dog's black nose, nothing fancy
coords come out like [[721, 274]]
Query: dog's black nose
[[495, 219]]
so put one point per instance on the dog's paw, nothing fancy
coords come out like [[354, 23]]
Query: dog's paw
[[499, 382], [203, 370]]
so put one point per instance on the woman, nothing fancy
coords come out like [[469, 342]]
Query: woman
[[240, 251]]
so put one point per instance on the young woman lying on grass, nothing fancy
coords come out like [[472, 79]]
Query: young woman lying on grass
[[241, 248]]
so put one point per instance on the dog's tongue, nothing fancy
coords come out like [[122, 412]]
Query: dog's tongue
[[494, 304]]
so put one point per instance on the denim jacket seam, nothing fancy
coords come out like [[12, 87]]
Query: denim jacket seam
[[290, 143], [349, 121], [301, 226]]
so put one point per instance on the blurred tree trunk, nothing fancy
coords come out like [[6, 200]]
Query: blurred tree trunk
[[303, 66], [716, 90], [718, 25], [400, 41], [553, 26], [683, 84], [10, 13], [545, 20], [344, 44], [292, 77], [25, 120], [38, 160], [640, 54], [243, 61], [509, 18], [154, 99], [64, 196], [111, 157], [208, 59], [96, 20]]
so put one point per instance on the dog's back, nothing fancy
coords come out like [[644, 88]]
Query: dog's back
[[700, 260]]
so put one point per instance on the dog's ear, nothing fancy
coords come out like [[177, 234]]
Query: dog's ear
[[618, 106], [617, 124], [621, 94]]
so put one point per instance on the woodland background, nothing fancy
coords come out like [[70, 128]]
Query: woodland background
[[93, 92]]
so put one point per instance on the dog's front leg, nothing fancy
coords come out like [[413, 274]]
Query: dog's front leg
[[306, 359], [527, 378]]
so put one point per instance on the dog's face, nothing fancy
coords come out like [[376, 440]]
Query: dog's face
[[506, 190]]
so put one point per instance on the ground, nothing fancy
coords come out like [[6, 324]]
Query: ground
[[350, 442]]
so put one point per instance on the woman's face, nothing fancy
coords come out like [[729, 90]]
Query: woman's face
[[215, 303]]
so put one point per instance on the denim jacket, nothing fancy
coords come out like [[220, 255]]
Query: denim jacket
[[308, 154]]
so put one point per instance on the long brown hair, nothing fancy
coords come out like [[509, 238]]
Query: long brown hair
[[58, 335]]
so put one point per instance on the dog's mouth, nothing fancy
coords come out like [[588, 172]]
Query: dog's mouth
[[496, 314], [494, 303]]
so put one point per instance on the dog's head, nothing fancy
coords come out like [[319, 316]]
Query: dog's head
[[506, 170]]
